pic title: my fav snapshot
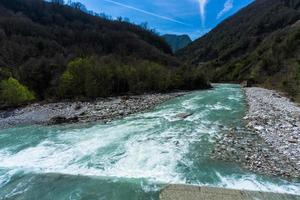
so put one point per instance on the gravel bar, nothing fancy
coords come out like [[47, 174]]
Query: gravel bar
[[270, 141], [276, 119], [102, 110]]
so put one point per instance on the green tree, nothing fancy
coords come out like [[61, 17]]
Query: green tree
[[72, 81], [13, 93], [98, 81], [112, 75]]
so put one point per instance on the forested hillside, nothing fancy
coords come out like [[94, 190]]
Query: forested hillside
[[49, 49], [260, 43]]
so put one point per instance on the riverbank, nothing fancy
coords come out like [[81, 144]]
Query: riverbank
[[270, 144], [102, 110]]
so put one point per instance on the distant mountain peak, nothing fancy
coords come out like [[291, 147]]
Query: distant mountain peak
[[177, 41]]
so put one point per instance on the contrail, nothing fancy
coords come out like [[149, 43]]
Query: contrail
[[147, 12], [202, 5]]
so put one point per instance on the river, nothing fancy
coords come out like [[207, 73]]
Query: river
[[132, 158]]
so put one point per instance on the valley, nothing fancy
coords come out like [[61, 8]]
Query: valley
[[134, 156], [94, 106]]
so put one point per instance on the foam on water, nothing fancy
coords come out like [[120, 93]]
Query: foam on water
[[131, 150], [154, 146]]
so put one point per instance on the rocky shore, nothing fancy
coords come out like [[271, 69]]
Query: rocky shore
[[102, 110], [270, 142]]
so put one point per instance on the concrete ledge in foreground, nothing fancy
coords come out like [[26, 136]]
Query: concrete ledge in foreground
[[187, 192]]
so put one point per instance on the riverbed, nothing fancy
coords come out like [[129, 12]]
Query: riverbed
[[134, 157]]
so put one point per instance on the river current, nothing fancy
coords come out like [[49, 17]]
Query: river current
[[132, 158]]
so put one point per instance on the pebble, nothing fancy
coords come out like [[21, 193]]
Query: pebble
[[270, 144], [105, 110]]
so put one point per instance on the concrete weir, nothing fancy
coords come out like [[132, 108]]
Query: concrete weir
[[188, 192]]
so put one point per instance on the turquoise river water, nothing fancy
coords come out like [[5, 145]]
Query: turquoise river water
[[132, 158]]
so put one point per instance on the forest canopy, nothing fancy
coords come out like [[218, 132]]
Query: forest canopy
[[106, 76]]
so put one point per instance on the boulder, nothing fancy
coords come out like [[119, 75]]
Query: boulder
[[63, 120], [183, 115]]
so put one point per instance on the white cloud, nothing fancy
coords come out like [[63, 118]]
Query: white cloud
[[227, 7], [202, 5]]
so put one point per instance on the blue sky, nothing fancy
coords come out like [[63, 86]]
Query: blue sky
[[192, 17]]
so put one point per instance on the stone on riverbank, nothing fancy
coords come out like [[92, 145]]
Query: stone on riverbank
[[270, 143], [102, 110]]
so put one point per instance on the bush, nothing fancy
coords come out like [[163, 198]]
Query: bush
[[13, 93]]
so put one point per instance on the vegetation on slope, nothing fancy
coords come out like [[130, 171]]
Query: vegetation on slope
[[97, 77], [259, 46], [275, 63], [40, 41]]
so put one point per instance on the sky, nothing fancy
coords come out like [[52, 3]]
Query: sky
[[192, 17]]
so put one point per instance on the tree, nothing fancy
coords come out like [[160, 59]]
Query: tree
[[79, 6], [59, 2], [144, 25], [72, 82], [13, 93], [119, 19]]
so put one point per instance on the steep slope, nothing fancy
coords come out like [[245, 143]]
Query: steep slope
[[35, 26], [177, 41], [275, 63], [259, 43], [48, 46]]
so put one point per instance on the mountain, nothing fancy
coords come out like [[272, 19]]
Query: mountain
[[260, 43], [50, 50], [177, 41]]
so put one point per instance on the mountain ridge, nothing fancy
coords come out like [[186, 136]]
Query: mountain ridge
[[241, 47]]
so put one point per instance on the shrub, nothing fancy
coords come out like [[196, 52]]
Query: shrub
[[13, 93]]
